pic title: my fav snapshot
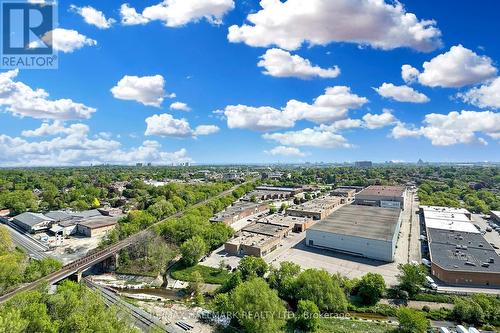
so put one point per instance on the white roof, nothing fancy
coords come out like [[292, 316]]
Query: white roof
[[444, 209], [438, 215], [451, 225]]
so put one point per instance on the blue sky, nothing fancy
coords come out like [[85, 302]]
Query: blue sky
[[447, 111]]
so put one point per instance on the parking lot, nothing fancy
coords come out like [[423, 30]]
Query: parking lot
[[493, 237], [293, 249]]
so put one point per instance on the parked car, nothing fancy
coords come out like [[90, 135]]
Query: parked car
[[426, 262], [489, 229]]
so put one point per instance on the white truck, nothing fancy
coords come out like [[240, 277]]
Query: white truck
[[461, 329], [429, 282]]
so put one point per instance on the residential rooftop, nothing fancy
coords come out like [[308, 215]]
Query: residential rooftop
[[361, 221]]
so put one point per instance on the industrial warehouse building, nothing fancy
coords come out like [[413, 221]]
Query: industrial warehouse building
[[463, 258], [347, 194], [382, 196], [95, 226], [459, 253], [260, 238], [365, 231], [239, 211], [316, 209]]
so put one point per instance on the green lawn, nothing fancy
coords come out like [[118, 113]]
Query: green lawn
[[209, 274], [329, 325]]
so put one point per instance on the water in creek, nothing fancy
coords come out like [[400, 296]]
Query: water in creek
[[160, 292]]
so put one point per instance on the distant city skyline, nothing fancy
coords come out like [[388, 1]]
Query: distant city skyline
[[240, 82]]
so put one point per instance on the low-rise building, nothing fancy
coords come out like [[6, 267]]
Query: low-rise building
[[252, 244], [32, 222], [363, 164], [463, 258], [95, 226], [382, 196], [297, 224], [316, 209], [347, 194], [239, 211], [365, 231]]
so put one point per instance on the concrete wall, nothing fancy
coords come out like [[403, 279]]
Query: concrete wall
[[364, 247]]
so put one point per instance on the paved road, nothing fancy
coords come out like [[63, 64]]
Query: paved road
[[94, 258], [35, 250]]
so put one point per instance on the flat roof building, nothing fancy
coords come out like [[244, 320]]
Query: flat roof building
[[463, 258], [239, 211], [382, 196], [365, 231], [96, 226], [316, 209], [248, 243]]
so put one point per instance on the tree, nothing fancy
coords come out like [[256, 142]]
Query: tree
[[411, 321], [6, 244], [307, 316], [194, 287], [234, 281], [192, 250], [411, 278], [371, 288], [96, 203], [319, 287], [282, 279], [252, 267], [12, 322], [257, 307], [468, 311]]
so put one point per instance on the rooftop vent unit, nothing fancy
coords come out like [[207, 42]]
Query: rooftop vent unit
[[468, 263], [485, 264], [491, 260]]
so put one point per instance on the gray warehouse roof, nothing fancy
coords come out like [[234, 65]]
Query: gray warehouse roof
[[382, 191], [361, 221], [462, 251], [31, 219]]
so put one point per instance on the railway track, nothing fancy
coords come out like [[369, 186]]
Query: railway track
[[144, 320], [94, 258]]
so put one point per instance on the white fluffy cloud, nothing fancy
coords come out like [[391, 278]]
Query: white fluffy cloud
[[285, 151], [67, 40], [205, 130], [453, 69], [373, 121], [75, 147], [280, 63], [485, 96], [175, 13], [180, 106], [21, 100], [148, 90], [333, 105], [454, 127], [311, 137], [93, 16], [401, 93], [291, 23], [166, 125], [409, 73]]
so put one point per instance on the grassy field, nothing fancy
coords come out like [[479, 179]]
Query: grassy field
[[209, 274], [333, 325]]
